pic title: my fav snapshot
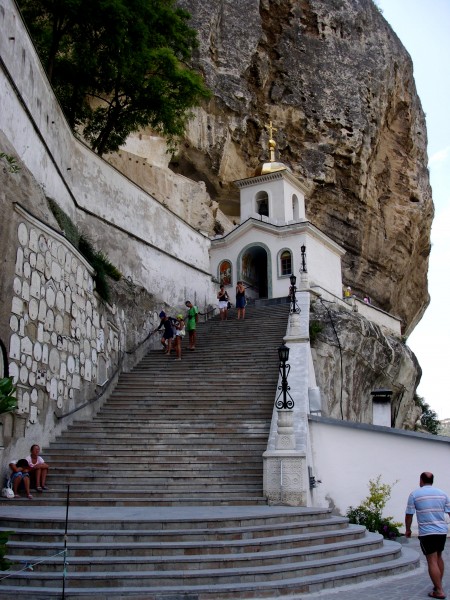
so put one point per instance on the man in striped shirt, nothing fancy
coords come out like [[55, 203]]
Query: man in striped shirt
[[430, 505]]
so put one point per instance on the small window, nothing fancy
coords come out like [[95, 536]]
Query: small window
[[295, 208], [286, 263], [262, 204]]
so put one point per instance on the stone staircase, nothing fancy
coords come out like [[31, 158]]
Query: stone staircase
[[209, 555], [166, 498], [179, 432]]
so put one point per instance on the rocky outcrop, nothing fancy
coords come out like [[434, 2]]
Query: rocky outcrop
[[352, 357], [338, 85]]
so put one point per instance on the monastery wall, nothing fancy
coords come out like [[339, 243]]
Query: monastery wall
[[344, 474], [60, 340], [79, 180]]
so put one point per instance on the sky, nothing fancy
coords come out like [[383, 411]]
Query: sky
[[424, 29]]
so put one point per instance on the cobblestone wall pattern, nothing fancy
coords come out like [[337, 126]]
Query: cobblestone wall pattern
[[60, 331]]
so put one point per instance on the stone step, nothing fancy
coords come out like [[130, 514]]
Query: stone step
[[187, 487], [184, 454], [108, 445], [212, 577], [215, 459], [159, 434], [202, 469], [162, 499], [321, 528], [169, 520], [151, 478], [288, 585], [147, 557], [303, 544]]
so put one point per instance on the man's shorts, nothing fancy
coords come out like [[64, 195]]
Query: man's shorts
[[432, 543]]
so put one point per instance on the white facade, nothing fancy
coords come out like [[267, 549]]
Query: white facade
[[285, 197], [347, 455], [267, 247]]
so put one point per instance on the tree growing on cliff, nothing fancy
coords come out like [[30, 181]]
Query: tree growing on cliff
[[117, 65], [428, 419]]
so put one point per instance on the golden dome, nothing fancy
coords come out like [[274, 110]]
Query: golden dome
[[272, 166]]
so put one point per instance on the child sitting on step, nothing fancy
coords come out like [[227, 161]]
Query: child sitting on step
[[20, 477]]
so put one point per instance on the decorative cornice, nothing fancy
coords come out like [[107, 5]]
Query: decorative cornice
[[291, 229], [276, 175]]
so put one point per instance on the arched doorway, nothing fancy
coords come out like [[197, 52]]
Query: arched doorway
[[253, 265]]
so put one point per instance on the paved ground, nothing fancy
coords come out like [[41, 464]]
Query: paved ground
[[409, 586]]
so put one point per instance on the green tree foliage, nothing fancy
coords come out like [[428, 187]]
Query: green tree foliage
[[428, 419], [8, 402], [118, 65]]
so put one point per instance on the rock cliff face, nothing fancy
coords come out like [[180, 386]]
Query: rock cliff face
[[352, 357], [338, 85]]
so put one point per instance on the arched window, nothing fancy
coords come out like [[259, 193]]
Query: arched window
[[285, 263], [262, 204], [295, 208]]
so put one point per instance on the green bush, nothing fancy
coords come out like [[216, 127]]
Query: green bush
[[97, 259], [8, 402], [370, 512], [12, 167], [4, 562], [314, 329]]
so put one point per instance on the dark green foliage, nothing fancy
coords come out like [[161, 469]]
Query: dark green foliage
[[65, 222], [99, 261], [373, 521], [314, 329], [370, 512], [118, 65], [4, 562], [13, 167], [218, 228], [8, 402], [428, 418]]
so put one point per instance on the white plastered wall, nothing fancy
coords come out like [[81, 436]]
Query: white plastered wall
[[323, 261], [280, 192], [347, 455], [145, 240]]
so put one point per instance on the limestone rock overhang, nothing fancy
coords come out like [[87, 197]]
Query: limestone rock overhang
[[289, 229]]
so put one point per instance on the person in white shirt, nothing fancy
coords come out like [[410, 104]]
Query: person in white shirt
[[38, 468]]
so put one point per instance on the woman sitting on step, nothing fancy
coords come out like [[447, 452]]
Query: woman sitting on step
[[38, 469]]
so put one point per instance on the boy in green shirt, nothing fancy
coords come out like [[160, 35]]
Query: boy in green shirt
[[191, 323]]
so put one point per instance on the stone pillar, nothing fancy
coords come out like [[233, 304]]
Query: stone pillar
[[285, 477], [285, 430], [285, 461]]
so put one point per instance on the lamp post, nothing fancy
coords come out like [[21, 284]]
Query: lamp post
[[295, 309], [284, 368], [303, 251]]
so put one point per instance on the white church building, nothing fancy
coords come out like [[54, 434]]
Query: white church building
[[274, 238]]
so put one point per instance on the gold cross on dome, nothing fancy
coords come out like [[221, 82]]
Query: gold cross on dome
[[272, 143], [270, 129]]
